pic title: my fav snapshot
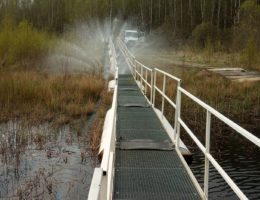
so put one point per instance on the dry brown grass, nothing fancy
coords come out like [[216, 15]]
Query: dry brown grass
[[199, 58], [36, 96], [95, 132], [238, 101]]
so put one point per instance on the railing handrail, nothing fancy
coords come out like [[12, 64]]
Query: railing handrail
[[167, 74], [224, 119], [105, 160], [106, 166], [179, 122], [143, 66]]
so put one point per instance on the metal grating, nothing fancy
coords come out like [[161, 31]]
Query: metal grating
[[153, 159], [129, 88], [129, 93], [137, 124], [146, 166], [146, 144], [126, 82], [131, 134], [144, 177], [132, 100], [135, 110]]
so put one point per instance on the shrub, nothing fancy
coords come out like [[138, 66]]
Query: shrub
[[22, 43], [249, 56], [28, 43], [203, 34]]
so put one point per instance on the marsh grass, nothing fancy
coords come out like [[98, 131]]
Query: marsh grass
[[238, 101], [247, 58], [38, 97], [95, 133]]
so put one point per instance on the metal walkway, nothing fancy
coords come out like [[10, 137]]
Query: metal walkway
[[146, 164], [142, 153]]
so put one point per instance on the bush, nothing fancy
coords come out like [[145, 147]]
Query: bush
[[22, 43], [203, 34], [29, 43], [6, 35], [249, 26], [249, 56]]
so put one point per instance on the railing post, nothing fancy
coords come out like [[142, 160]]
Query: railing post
[[178, 93], [146, 82], [151, 92], [206, 172], [164, 83], [135, 70], [141, 81], [178, 105], [154, 85]]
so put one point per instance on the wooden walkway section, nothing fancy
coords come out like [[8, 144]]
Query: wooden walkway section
[[146, 164]]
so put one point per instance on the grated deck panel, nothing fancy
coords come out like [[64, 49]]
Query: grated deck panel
[[151, 175], [145, 174]]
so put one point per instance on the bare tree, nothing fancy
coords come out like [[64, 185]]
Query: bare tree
[[218, 18], [202, 9]]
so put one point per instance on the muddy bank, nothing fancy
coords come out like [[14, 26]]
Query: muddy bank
[[44, 163]]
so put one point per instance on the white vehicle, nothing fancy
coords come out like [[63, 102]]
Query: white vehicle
[[131, 36]]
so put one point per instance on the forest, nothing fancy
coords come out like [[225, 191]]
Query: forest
[[221, 25]]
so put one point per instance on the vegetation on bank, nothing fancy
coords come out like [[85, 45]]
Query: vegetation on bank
[[38, 97]]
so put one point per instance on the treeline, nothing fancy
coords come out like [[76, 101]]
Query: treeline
[[231, 25], [180, 16], [227, 22], [54, 15]]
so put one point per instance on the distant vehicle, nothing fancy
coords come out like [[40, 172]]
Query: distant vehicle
[[131, 37]]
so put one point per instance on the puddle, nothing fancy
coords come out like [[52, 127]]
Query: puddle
[[43, 163]]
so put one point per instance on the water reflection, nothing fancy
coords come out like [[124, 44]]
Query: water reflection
[[239, 158], [43, 163]]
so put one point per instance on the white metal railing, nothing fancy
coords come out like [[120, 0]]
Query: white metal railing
[[206, 149], [163, 93], [112, 57], [111, 128], [102, 188], [142, 74], [139, 72], [95, 187]]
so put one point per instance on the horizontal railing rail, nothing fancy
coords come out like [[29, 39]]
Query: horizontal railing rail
[[206, 149], [140, 73], [224, 119]]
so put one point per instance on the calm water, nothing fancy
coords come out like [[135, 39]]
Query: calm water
[[239, 158], [47, 168]]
